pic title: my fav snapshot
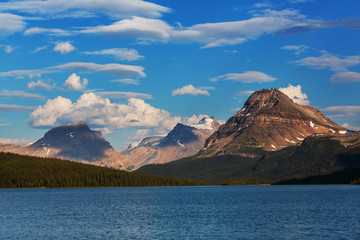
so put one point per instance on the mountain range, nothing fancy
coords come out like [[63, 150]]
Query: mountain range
[[270, 137]]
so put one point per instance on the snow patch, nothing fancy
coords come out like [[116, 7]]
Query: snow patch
[[299, 138], [179, 143], [332, 130], [342, 132], [205, 123], [312, 124], [273, 146]]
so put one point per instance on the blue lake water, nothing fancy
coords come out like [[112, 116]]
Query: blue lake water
[[228, 212]]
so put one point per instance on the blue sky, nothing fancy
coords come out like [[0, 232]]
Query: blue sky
[[135, 68]]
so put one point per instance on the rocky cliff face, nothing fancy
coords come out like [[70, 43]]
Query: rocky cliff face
[[269, 120], [182, 141], [76, 142]]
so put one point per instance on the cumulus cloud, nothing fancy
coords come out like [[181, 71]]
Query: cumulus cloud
[[246, 77], [116, 94], [119, 53], [296, 94], [11, 23], [15, 108], [101, 112], [73, 82], [298, 49], [8, 49], [19, 94], [85, 8], [127, 81], [345, 77], [118, 70], [326, 60], [64, 47], [194, 119], [39, 84], [190, 90]]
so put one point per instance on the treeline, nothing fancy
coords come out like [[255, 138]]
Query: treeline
[[316, 156], [346, 176], [18, 171]]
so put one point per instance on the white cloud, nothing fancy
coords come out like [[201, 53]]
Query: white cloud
[[85, 8], [298, 49], [245, 92], [343, 111], [73, 82], [39, 49], [20, 141], [99, 111], [190, 90], [326, 60], [296, 94], [127, 81], [19, 94], [8, 49], [118, 70], [345, 77], [348, 126], [39, 84], [11, 23], [116, 94], [49, 31], [246, 77], [64, 47], [136, 27], [119, 53], [15, 108]]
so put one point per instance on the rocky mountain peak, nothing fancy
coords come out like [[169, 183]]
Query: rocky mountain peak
[[270, 120]]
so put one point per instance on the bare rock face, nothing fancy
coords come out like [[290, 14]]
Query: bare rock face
[[76, 142], [269, 120], [182, 141]]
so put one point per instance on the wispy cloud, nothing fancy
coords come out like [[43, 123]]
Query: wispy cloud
[[85, 8], [246, 77], [126, 95], [245, 92], [119, 53], [118, 70], [298, 49], [19, 94], [345, 77], [39, 84], [127, 81], [190, 90], [50, 31], [326, 60], [18, 141], [15, 108], [343, 111], [11, 23], [39, 49]]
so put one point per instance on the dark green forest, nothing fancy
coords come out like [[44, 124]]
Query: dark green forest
[[18, 171], [316, 156]]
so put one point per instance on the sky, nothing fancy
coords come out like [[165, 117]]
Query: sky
[[133, 69]]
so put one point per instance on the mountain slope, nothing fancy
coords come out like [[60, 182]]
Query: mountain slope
[[317, 155], [76, 142], [271, 137], [182, 141], [270, 121]]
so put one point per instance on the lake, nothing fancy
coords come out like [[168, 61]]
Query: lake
[[219, 212]]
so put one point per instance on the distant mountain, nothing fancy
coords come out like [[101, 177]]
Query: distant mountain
[[271, 137], [182, 141], [76, 142]]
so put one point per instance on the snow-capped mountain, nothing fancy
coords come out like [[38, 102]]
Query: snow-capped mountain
[[182, 141], [269, 120]]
